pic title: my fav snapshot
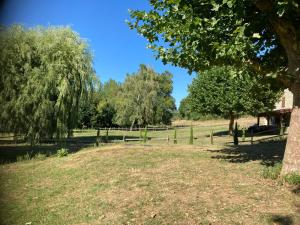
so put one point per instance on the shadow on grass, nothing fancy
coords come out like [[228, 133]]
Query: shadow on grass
[[296, 190], [220, 133], [282, 220], [10, 151], [247, 134], [268, 153]]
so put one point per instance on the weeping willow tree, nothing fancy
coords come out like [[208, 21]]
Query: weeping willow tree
[[146, 98], [44, 72]]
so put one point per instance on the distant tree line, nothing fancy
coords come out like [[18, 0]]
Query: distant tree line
[[144, 98]]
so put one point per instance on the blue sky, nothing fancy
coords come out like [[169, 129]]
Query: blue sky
[[117, 50]]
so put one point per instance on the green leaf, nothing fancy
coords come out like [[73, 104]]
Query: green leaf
[[256, 35]]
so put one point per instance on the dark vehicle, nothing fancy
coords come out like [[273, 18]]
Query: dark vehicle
[[256, 128]]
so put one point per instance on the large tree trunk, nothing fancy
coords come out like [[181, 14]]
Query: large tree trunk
[[287, 34], [291, 43], [291, 161], [231, 123]]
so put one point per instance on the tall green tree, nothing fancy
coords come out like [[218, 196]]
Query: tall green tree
[[146, 98], [111, 97], [185, 109], [165, 103], [88, 104], [44, 72], [263, 35], [218, 91], [103, 115]]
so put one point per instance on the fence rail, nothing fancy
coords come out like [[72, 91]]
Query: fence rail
[[149, 128], [96, 136]]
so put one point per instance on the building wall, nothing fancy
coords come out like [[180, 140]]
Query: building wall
[[286, 101]]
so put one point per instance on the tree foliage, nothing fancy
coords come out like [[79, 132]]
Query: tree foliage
[[261, 35], [88, 105], [146, 98], [110, 99], [99, 108], [198, 34], [44, 72], [222, 91], [218, 91], [186, 112]]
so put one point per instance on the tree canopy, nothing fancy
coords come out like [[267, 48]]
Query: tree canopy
[[146, 98], [218, 91], [44, 72], [261, 35], [198, 34]]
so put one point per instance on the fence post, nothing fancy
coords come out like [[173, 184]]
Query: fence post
[[244, 134], [252, 136], [191, 136], [97, 139], [175, 136], [141, 135], [212, 137], [281, 130], [168, 139], [106, 136], [235, 135], [145, 135]]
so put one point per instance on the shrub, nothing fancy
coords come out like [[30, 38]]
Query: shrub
[[62, 152], [272, 172], [292, 178]]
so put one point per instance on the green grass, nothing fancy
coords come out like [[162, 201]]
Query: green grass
[[272, 172], [152, 183], [143, 184]]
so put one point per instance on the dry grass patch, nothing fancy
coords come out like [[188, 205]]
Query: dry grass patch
[[136, 184], [243, 121]]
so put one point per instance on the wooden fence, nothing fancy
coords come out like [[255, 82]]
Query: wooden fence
[[93, 136]]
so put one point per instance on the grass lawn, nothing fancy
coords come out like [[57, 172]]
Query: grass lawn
[[149, 184]]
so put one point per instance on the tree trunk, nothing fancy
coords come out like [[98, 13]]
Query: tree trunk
[[231, 123], [132, 124], [291, 160], [290, 41]]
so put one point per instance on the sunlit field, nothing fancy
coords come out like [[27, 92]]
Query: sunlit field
[[148, 183]]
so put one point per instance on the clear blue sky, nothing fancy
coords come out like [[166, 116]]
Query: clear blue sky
[[117, 50]]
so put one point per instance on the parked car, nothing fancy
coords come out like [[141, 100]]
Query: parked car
[[256, 128]]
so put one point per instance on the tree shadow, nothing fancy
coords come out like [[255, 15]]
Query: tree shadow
[[268, 153], [247, 134], [296, 190], [220, 133], [10, 151], [282, 220]]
